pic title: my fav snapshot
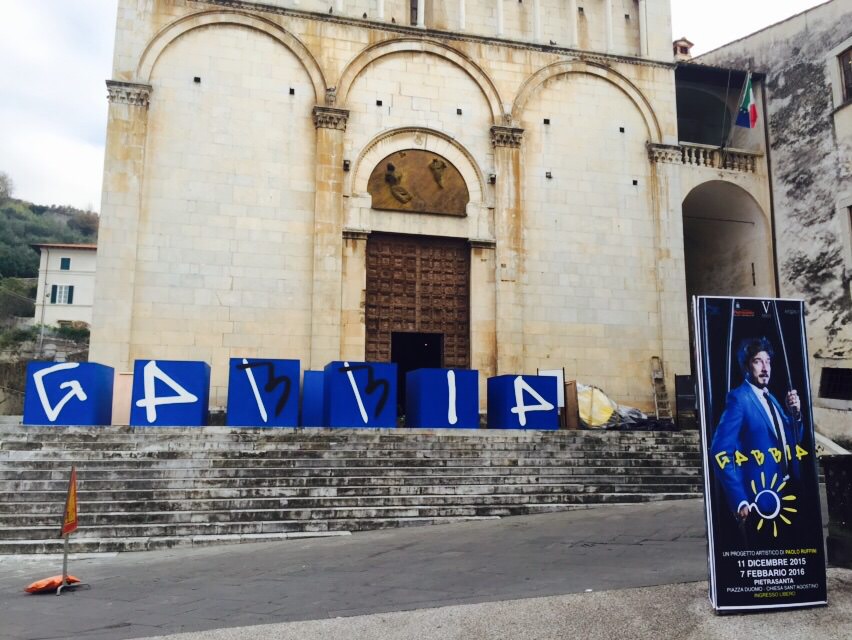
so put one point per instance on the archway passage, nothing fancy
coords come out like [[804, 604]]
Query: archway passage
[[418, 291], [727, 245], [726, 241]]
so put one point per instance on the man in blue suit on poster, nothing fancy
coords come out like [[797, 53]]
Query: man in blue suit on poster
[[754, 449]]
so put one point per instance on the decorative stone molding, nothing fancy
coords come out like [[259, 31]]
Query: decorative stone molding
[[355, 234], [330, 96], [482, 243], [702, 155], [330, 118], [132, 93], [506, 136], [664, 153], [602, 58]]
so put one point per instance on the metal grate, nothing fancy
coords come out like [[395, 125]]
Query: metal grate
[[835, 383]]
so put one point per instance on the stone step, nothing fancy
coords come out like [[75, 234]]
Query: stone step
[[16, 513], [289, 520], [85, 451], [160, 487], [199, 491], [8, 479], [247, 434], [592, 459]]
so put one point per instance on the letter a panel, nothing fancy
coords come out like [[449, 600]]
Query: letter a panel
[[522, 402], [68, 393], [442, 398], [263, 393], [170, 393], [359, 394]]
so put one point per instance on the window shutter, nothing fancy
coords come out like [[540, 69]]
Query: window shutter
[[71, 295], [53, 294]]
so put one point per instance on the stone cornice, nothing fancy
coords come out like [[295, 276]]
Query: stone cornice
[[506, 136], [482, 243], [330, 118], [355, 234], [131, 93], [664, 153], [420, 32]]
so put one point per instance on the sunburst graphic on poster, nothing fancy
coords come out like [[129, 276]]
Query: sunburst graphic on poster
[[769, 502]]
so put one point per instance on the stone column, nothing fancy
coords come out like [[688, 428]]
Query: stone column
[[421, 13], [508, 231], [462, 15], [381, 9], [671, 265], [121, 207], [353, 334], [500, 20], [328, 236], [610, 41], [338, 6], [572, 23], [643, 28]]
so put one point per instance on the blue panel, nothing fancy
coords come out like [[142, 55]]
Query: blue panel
[[502, 399], [312, 399], [442, 398], [263, 393], [68, 393], [181, 391], [373, 383]]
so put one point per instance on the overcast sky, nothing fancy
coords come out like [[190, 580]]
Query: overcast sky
[[56, 54]]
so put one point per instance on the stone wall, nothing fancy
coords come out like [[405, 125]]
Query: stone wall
[[230, 226], [810, 129]]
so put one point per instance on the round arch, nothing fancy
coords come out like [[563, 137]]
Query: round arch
[[176, 29], [383, 49], [535, 82], [437, 142], [727, 242]]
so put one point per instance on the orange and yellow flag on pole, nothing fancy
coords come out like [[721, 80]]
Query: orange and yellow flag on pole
[[69, 523]]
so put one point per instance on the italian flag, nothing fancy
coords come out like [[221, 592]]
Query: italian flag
[[747, 114]]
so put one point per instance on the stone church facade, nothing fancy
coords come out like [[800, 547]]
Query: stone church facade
[[491, 184]]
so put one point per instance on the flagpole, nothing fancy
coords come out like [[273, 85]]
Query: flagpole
[[734, 120]]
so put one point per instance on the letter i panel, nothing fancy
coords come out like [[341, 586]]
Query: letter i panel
[[170, 393], [312, 399], [442, 398], [263, 393], [359, 394], [522, 402], [68, 393]]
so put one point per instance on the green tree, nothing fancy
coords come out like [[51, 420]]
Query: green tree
[[7, 187]]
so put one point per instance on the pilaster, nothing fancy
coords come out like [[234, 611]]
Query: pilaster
[[673, 307], [121, 205], [508, 227], [328, 236], [353, 334]]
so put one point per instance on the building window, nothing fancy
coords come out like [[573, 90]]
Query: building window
[[846, 73], [62, 294], [65, 264], [835, 383], [413, 5]]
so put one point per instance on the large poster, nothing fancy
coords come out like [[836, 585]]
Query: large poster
[[761, 486]]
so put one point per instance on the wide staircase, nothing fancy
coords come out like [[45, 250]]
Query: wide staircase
[[153, 488]]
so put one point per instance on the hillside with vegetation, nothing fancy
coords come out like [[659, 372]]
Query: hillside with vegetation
[[23, 224]]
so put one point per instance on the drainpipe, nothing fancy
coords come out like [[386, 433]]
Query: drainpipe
[[43, 292], [771, 188]]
